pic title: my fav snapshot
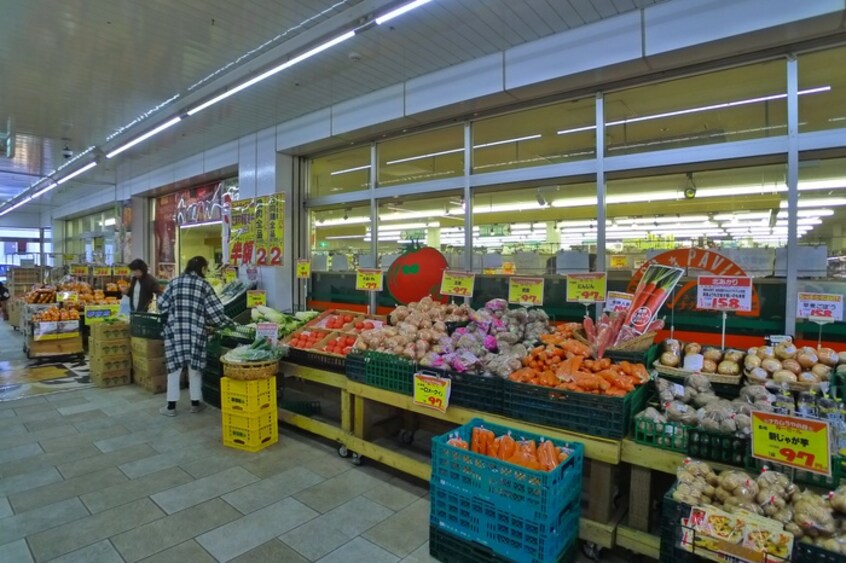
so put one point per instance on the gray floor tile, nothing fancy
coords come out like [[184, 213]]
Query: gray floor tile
[[272, 461], [69, 488], [50, 414], [337, 490], [360, 549], [8, 413], [147, 465], [42, 461], [188, 552], [324, 534], [111, 444], [396, 494], [20, 452], [16, 551], [97, 422], [327, 465], [40, 519], [66, 399], [37, 425], [70, 537], [173, 530], [216, 460], [100, 552], [404, 532], [27, 481], [111, 459], [134, 489], [56, 431], [76, 409], [43, 407], [420, 555], [267, 491], [256, 528], [275, 551], [15, 429], [201, 490], [18, 403], [5, 507], [65, 442]]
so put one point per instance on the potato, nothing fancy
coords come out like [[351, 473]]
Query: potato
[[771, 365], [692, 348], [713, 354], [709, 366], [670, 359], [822, 371], [807, 359], [728, 367], [671, 345], [792, 365], [827, 356], [785, 376]]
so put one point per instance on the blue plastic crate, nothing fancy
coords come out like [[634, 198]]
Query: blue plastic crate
[[524, 540], [529, 493]]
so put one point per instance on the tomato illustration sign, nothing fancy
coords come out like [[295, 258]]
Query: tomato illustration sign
[[417, 274], [696, 259]]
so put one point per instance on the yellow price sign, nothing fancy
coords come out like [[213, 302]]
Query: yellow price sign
[[509, 268], [67, 297], [586, 288], [68, 257], [789, 440], [458, 284], [256, 297], [303, 269], [230, 275], [102, 271], [99, 313], [619, 261], [525, 291], [431, 391], [121, 271], [368, 279], [78, 270]]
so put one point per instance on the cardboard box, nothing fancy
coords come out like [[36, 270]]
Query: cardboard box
[[109, 331], [68, 346], [111, 379], [149, 367], [116, 347], [106, 364], [155, 384], [147, 348]]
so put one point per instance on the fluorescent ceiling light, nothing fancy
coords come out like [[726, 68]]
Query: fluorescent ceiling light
[[506, 141], [342, 237], [808, 213], [110, 222], [817, 202], [454, 151], [698, 109], [76, 173], [400, 11], [44, 190], [348, 170], [203, 224], [422, 156], [144, 137], [267, 74], [15, 206]]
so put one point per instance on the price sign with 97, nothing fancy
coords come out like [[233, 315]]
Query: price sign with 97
[[367, 279], [525, 291], [431, 391], [788, 440], [458, 284]]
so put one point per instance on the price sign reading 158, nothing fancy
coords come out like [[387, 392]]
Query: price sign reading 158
[[724, 293]]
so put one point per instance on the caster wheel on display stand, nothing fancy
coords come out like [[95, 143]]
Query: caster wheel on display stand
[[406, 437], [356, 459], [343, 451], [591, 551]]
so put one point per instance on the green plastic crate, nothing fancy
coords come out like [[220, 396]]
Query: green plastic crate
[[666, 436], [147, 325], [389, 372], [448, 548], [305, 408]]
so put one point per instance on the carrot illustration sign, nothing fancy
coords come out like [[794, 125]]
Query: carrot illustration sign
[[696, 259]]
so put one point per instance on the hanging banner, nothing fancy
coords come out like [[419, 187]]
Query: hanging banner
[[525, 291], [230, 275], [825, 306], [724, 293], [257, 230], [789, 440], [586, 288], [275, 229], [458, 284]]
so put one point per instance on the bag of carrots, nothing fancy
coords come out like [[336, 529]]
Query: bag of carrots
[[525, 453]]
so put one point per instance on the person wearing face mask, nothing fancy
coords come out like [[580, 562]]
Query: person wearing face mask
[[142, 286], [190, 305]]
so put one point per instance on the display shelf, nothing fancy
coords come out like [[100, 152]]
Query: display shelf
[[639, 542], [658, 459]]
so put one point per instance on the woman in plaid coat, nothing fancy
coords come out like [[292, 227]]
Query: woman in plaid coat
[[191, 305]]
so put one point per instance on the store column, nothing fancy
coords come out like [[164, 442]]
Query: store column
[[262, 171]]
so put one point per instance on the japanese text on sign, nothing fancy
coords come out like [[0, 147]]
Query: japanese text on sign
[[793, 441], [102, 271], [267, 331], [819, 305], [525, 291], [230, 275], [256, 297], [618, 301], [121, 271], [257, 231], [79, 270], [303, 269], [99, 313], [368, 279], [431, 391], [586, 288], [619, 261], [724, 293], [458, 284]]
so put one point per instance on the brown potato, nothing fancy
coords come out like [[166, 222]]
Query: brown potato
[[713, 354], [709, 366], [692, 348]]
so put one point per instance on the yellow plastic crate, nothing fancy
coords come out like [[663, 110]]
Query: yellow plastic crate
[[247, 397], [250, 433]]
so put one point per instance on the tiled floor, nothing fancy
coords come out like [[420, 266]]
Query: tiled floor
[[97, 475]]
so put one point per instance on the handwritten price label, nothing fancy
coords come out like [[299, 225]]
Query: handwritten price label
[[618, 301], [724, 293], [79, 270], [120, 271], [102, 271], [99, 313], [793, 441], [819, 306], [525, 291], [458, 284], [303, 269], [586, 288], [230, 275], [256, 297], [368, 279], [431, 391]]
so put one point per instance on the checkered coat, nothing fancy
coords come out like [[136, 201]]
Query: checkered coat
[[190, 304]]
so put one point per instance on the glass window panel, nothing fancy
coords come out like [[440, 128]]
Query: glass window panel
[[822, 214], [730, 105], [430, 155], [824, 71], [551, 134], [341, 172]]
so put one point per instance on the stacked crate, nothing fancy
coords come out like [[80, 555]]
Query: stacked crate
[[109, 351], [499, 510], [148, 364], [248, 413]]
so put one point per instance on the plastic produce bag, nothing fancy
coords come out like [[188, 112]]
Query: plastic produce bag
[[125, 308]]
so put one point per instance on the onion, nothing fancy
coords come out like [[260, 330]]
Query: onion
[[808, 377], [827, 356], [751, 362], [709, 366], [771, 365], [785, 351], [822, 371], [692, 348], [792, 365], [713, 354], [842, 357], [807, 359], [670, 359], [784, 376], [758, 375], [728, 367], [765, 352]]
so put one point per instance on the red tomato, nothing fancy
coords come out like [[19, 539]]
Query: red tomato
[[368, 325], [359, 325], [348, 318]]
